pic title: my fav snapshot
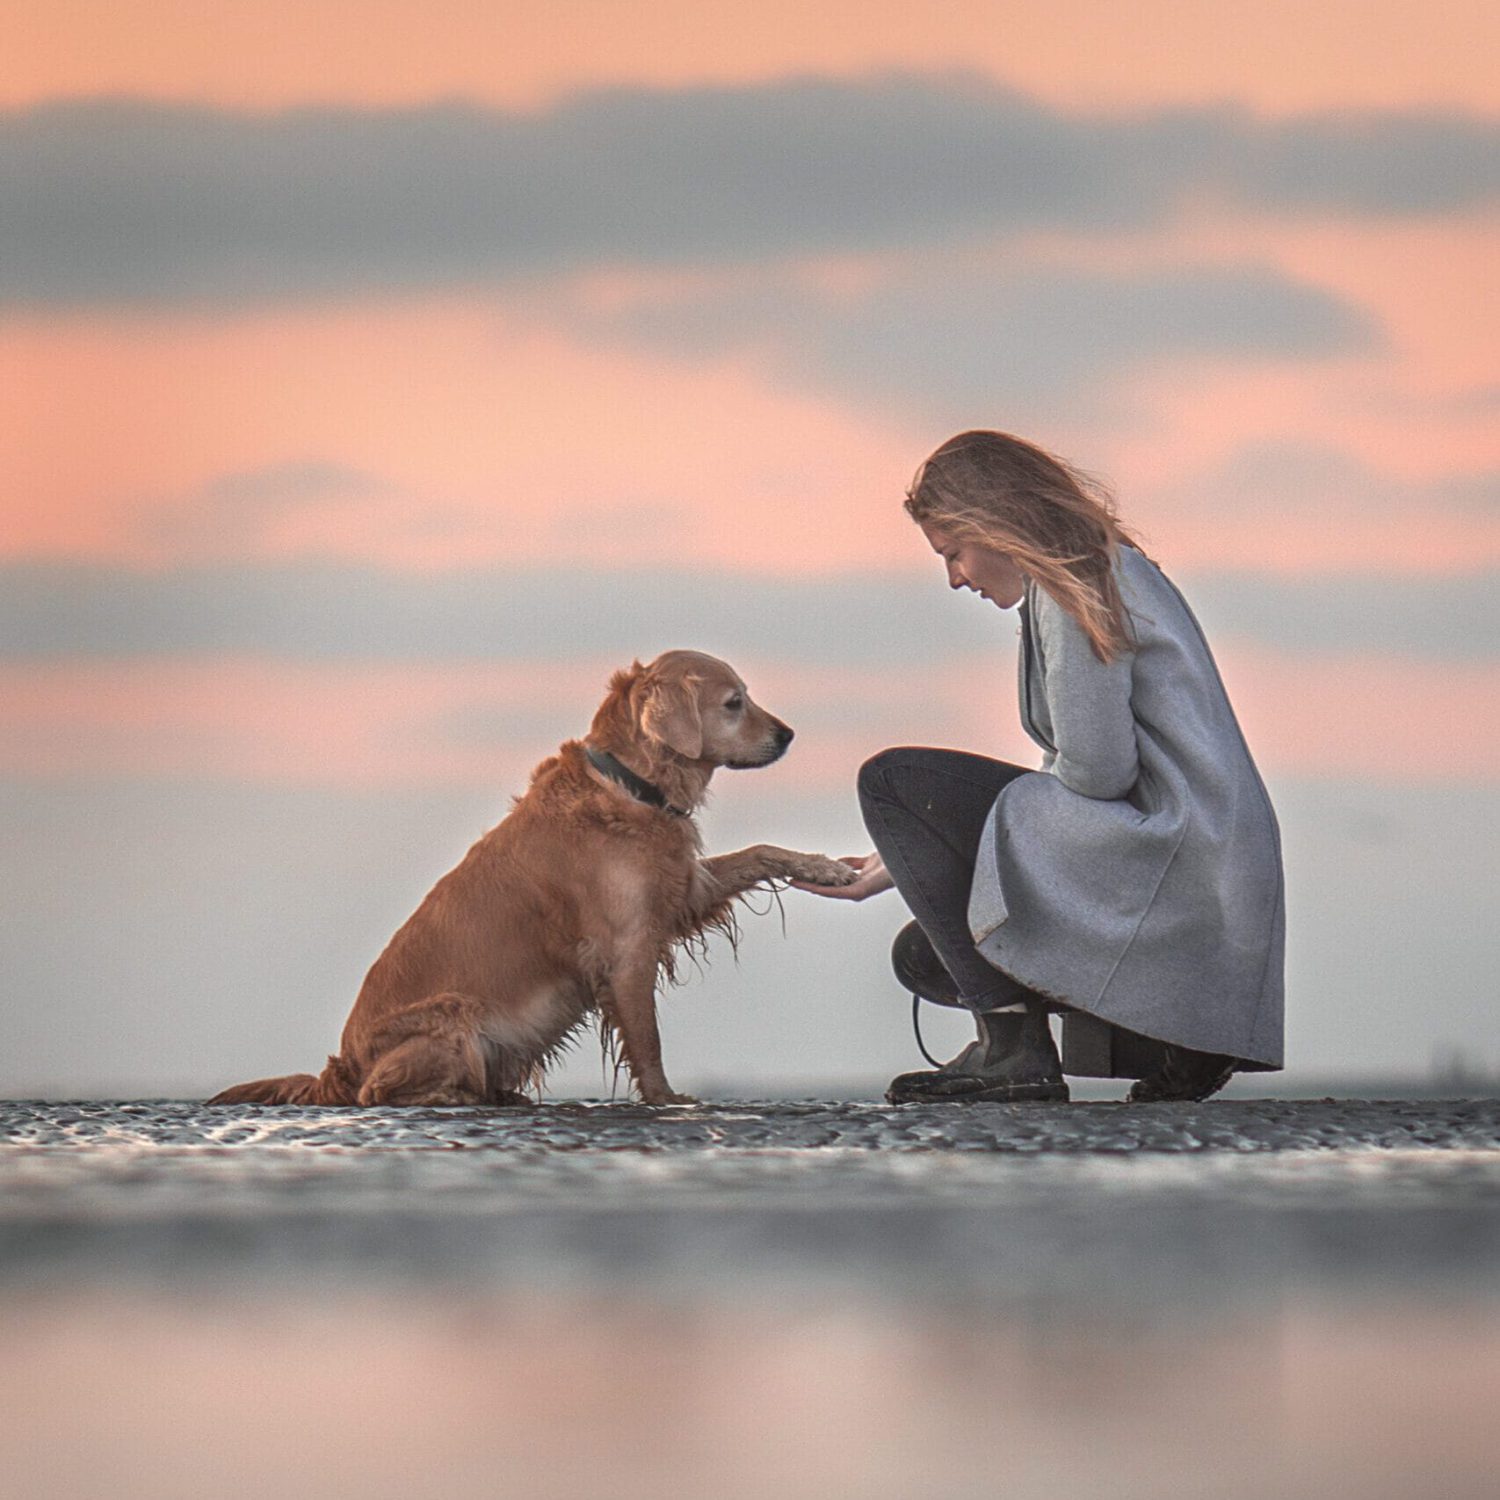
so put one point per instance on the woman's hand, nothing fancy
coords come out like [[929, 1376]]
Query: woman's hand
[[873, 878]]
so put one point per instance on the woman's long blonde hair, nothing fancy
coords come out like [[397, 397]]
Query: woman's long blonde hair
[[1057, 523]]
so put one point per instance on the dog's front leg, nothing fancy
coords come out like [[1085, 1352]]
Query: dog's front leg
[[723, 877], [632, 1010], [731, 875]]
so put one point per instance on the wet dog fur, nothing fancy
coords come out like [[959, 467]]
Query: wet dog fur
[[572, 906]]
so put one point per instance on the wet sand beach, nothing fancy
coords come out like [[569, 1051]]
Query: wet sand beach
[[1230, 1299]]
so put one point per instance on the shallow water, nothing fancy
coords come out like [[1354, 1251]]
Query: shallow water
[[1239, 1298]]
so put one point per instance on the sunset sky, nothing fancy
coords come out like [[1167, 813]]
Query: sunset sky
[[378, 376]]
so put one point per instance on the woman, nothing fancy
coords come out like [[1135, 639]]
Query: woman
[[1137, 876]]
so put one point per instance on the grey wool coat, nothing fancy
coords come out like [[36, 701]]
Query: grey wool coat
[[1138, 874]]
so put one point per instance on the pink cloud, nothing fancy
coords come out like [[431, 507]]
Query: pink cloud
[[490, 442], [341, 725], [271, 53]]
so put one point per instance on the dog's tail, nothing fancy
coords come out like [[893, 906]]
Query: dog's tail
[[334, 1085]]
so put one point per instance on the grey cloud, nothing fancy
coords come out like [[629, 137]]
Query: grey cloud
[[233, 515], [1365, 163], [1452, 618], [955, 346], [289, 484], [133, 200], [231, 512], [1281, 477], [329, 612]]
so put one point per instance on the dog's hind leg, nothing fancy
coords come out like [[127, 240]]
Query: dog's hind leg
[[428, 1053]]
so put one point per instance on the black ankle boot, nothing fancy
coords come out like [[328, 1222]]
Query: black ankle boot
[[1014, 1059], [1184, 1076]]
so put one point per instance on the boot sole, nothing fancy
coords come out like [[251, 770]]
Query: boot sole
[[1192, 1093], [1004, 1093], [1022, 1093], [1188, 1096]]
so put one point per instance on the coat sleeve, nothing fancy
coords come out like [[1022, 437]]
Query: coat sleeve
[[1089, 705]]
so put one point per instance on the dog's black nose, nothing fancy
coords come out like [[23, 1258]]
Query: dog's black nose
[[783, 734]]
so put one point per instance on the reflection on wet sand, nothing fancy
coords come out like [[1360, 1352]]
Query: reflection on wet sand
[[450, 1395], [1237, 1301]]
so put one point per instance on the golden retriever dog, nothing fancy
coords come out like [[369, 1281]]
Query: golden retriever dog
[[572, 906]]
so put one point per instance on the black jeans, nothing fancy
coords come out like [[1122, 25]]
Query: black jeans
[[925, 810]]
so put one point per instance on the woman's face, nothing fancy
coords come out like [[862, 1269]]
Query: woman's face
[[971, 565]]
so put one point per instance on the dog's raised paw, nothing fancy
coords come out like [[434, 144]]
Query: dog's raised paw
[[818, 869]]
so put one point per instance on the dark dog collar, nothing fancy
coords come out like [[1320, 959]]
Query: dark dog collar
[[638, 787]]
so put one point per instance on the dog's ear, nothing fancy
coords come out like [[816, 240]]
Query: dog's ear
[[671, 715], [615, 718]]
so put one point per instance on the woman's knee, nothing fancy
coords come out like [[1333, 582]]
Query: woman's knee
[[877, 772]]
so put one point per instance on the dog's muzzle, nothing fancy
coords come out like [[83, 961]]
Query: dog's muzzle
[[781, 737]]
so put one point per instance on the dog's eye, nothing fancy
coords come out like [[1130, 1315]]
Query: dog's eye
[[735, 704]]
